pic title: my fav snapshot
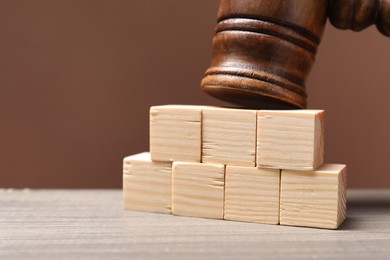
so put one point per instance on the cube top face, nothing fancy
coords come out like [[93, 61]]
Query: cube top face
[[175, 133], [292, 139], [177, 106], [195, 169], [252, 194], [129, 161], [141, 162], [230, 110], [139, 157], [293, 113], [331, 168], [251, 171], [198, 190], [314, 199], [326, 170], [180, 112], [229, 136]]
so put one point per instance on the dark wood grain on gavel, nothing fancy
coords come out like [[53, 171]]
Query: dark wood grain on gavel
[[359, 14], [263, 50]]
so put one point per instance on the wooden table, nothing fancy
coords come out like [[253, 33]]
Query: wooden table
[[85, 224]]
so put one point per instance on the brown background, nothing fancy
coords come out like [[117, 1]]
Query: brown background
[[77, 79]]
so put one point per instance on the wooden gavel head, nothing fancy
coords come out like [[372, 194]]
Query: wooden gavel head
[[263, 50]]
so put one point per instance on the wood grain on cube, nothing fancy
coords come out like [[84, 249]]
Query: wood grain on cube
[[147, 184], [175, 133], [252, 194], [314, 199], [229, 136], [198, 190], [290, 139]]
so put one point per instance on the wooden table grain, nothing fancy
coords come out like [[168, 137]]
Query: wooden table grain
[[90, 224]]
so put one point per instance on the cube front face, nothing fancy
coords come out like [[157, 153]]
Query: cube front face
[[252, 194], [198, 190], [290, 139], [229, 136], [175, 133], [313, 199], [146, 184]]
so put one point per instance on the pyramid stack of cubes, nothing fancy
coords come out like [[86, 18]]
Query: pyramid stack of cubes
[[263, 166]]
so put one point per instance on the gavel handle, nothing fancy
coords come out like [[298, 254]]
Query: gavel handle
[[359, 14]]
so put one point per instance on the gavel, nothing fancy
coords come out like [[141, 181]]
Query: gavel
[[263, 50]]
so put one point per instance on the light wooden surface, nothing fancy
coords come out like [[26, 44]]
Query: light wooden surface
[[91, 224], [147, 184], [252, 194], [314, 199], [198, 189], [229, 136], [290, 139], [175, 133]]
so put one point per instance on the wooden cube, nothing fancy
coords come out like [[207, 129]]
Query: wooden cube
[[147, 184], [229, 136], [290, 139], [198, 189], [175, 133], [314, 199], [252, 194]]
